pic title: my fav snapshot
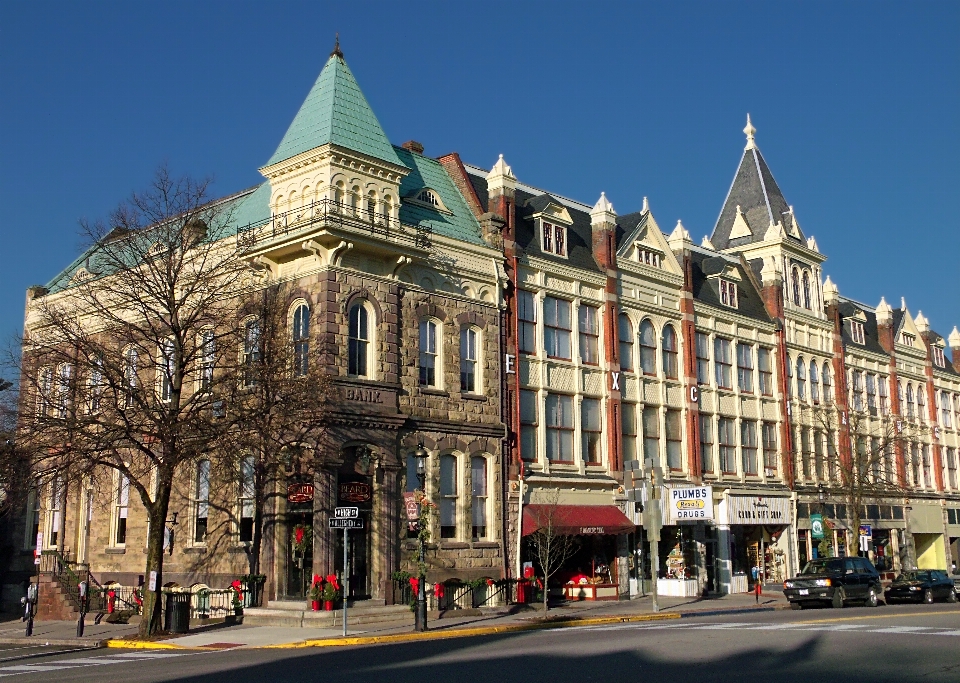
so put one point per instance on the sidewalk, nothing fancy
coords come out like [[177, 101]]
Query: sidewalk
[[221, 636]]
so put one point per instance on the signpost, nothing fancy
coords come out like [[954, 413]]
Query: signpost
[[345, 518]]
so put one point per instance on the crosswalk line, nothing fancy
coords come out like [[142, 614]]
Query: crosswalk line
[[712, 627], [900, 629], [25, 668], [146, 655]]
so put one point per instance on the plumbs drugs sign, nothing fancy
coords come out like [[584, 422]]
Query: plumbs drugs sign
[[690, 503]]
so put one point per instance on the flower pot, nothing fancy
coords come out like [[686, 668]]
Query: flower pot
[[315, 605], [328, 605]]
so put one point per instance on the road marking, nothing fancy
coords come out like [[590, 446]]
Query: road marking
[[881, 616], [901, 629], [735, 624], [57, 665]]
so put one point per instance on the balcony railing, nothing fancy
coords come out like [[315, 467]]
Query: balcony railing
[[335, 214]]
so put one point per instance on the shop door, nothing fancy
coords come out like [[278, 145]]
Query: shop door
[[355, 489], [710, 549], [299, 554]]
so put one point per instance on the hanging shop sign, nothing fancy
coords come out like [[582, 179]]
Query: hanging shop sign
[[689, 503], [816, 526], [355, 492], [758, 510], [299, 493]]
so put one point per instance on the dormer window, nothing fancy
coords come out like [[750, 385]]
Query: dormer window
[[554, 239], [728, 293], [938, 358], [650, 258], [428, 197], [908, 339], [856, 332]]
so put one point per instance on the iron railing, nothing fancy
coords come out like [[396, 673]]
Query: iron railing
[[457, 595], [337, 214]]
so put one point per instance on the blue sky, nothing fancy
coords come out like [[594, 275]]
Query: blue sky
[[856, 107]]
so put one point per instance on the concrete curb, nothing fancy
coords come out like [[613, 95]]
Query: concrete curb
[[147, 645], [39, 641], [468, 632]]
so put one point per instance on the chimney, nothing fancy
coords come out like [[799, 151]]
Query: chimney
[[603, 221], [954, 340], [413, 146], [885, 325], [771, 288]]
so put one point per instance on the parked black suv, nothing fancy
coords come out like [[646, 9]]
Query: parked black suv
[[836, 580]]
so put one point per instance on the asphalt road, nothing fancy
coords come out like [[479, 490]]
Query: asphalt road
[[902, 644]]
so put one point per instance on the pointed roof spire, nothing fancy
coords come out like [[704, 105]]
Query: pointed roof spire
[[923, 325], [501, 177], [646, 205], [884, 312], [770, 274], [954, 338], [335, 112], [830, 292], [603, 212], [679, 234], [749, 130], [707, 244]]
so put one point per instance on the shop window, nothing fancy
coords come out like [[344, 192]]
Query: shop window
[[527, 321], [430, 371], [528, 424], [674, 434], [728, 445], [814, 383], [803, 510], [769, 435], [121, 507], [651, 434], [827, 384], [745, 367], [748, 446], [469, 376], [706, 443], [801, 379], [628, 427], [590, 430], [201, 502], [723, 363], [559, 428], [765, 370], [247, 499], [872, 394], [557, 328], [703, 358], [625, 334], [648, 348], [669, 352], [448, 496], [301, 340], [589, 328], [358, 345], [478, 497]]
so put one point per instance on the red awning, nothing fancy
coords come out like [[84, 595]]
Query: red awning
[[576, 520]]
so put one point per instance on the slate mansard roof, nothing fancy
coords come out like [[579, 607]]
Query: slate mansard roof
[[871, 336], [706, 288]]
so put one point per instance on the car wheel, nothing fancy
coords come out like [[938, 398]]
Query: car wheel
[[796, 605], [871, 600], [928, 596], [838, 598], [952, 596]]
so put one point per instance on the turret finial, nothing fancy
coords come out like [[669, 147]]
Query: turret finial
[[336, 48], [749, 131]]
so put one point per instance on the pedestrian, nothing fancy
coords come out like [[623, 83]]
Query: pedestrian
[[757, 588]]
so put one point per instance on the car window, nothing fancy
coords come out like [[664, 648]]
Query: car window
[[865, 566], [850, 567], [816, 567], [923, 576]]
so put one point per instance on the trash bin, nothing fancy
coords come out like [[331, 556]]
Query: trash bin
[[177, 617]]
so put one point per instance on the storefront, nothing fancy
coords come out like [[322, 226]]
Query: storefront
[[590, 540], [687, 542], [926, 528], [953, 535], [753, 540]]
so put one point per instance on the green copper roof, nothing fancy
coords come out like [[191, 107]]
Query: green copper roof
[[335, 111]]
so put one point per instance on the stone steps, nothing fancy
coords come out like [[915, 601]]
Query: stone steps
[[287, 615]]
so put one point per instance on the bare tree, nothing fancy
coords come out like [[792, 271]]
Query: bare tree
[[127, 360], [550, 543]]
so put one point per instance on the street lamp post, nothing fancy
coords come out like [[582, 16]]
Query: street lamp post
[[421, 614]]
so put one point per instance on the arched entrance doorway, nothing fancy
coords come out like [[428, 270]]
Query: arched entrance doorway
[[355, 488]]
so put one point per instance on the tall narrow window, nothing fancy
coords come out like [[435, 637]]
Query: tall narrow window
[[121, 505], [706, 442], [856, 332], [728, 293], [251, 352], [814, 383], [557, 327], [670, 353], [651, 434], [914, 450], [428, 353], [728, 445], [910, 411], [748, 446], [559, 428], [674, 433], [796, 286], [833, 463], [952, 468], [247, 498], [872, 394], [806, 289], [827, 385], [32, 519], [95, 385], [805, 453], [528, 424], [167, 354], [818, 462], [589, 334], [628, 429], [703, 358], [938, 358], [590, 430], [769, 435], [359, 341], [208, 356], [801, 379], [527, 317], [448, 496], [723, 363], [55, 502], [648, 348], [625, 333], [44, 391], [478, 497], [765, 370], [884, 398], [921, 404], [858, 390], [927, 470], [945, 416], [468, 360], [130, 377], [789, 377], [301, 340], [745, 367], [201, 503], [64, 387]]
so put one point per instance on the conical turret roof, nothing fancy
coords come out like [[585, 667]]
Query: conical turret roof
[[335, 111]]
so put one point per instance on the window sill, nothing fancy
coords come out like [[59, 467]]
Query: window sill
[[428, 391], [194, 550], [115, 551], [485, 544], [454, 545], [473, 397]]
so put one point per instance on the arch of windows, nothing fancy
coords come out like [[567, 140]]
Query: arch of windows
[[648, 348], [801, 379], [827, 388], [814, 382], [625, 335], [670, 352], [359, 341], [796, 285], [301, 339], [431, 338]]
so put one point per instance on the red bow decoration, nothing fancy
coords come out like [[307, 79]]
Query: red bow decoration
[[236, 585], [332, 579], [489, 582], [298, 534], [415, 584], [438, 590]]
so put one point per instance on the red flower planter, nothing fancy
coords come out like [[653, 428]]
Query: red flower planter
[[315, 605], [328, 605]]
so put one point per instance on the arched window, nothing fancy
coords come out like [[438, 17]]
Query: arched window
[[648, 348], [910, 411], [921, 404], [166, 369], [201, 502], [355, 197], [827, 390], [670, 369], [95, 385], [371, 205], [251, 351], [131, 362], [338, 196], [358, 348], [448, 496], [301, 340], [64, 384], [625, 333], [387, 207], [814, 383], [796, 285], [478, 497], [806, 289], [789, 377], [429, 353], [469, 368], [801, 379]]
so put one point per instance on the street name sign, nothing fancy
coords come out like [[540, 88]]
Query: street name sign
[[345, 523], [346, 513]]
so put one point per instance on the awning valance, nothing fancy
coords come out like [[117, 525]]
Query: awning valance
[[576, 520]]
